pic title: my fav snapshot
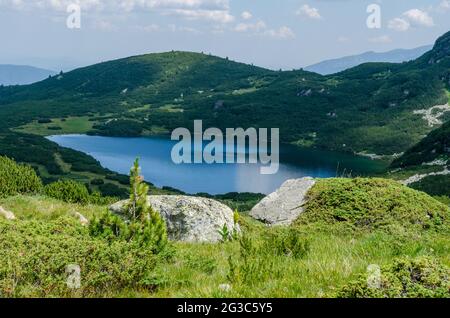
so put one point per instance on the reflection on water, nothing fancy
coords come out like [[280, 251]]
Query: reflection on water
[[118, 154]]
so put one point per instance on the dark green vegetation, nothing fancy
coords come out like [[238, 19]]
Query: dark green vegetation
[[368, 108], [348, 224], [74, 192], [374, 204], [436, 145], [143, 225], [434, 151], [237, 201], [405, 278], [434, 185], [34, 256], [15, 179]]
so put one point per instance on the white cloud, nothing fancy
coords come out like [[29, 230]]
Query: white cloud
[[260, 28], [419, 17], [147, 28], [212, 10], [399, 24], [412, 18], [445, 5], [211, 15], [57, 5], [282, 33], [246, 15], [309, 12], [245, 27], [381, 39], [175, 28]]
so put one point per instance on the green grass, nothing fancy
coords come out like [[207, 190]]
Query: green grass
[[171, 109], [44, 208], [335, 258], [316, 257], [70, 125]]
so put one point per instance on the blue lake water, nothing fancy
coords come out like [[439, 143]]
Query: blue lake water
[[118, 154]]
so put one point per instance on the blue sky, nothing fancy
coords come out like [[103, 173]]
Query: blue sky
[[271, 33]]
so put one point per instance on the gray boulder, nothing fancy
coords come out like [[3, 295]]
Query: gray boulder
[[188, 219], [284, 205]]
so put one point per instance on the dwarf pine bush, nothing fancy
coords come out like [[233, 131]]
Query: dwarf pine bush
[[373, 204], [143, 226], [422, 277], [34, 256], [74, 192], [68, 191], [17, 178]]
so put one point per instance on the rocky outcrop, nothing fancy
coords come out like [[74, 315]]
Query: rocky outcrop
[[284, 205], [419, 177], [434, 114], [188, 219], [7, 214]]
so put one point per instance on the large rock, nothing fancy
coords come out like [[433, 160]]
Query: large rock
[[7, 214], [188, 219], [284, 205]]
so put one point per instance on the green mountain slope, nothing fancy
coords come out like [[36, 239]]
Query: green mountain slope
[[435, 146], [431, 159], [369, 108]]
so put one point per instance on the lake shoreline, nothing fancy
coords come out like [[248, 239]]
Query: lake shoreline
[[117, 153]]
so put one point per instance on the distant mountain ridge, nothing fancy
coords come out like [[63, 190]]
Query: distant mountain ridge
[[22, 74], [340, 64]]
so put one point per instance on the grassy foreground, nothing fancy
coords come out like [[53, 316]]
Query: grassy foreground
[[349, 225]]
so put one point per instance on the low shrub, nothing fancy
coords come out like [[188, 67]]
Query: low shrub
[[122, 179], [35, 255], [259, 258], [74, 192], [287, 242], [68, 191], [373, 203], [17, 179], [44, 121], [423, 277], [147, 233], [97, 182], [111, 190]]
